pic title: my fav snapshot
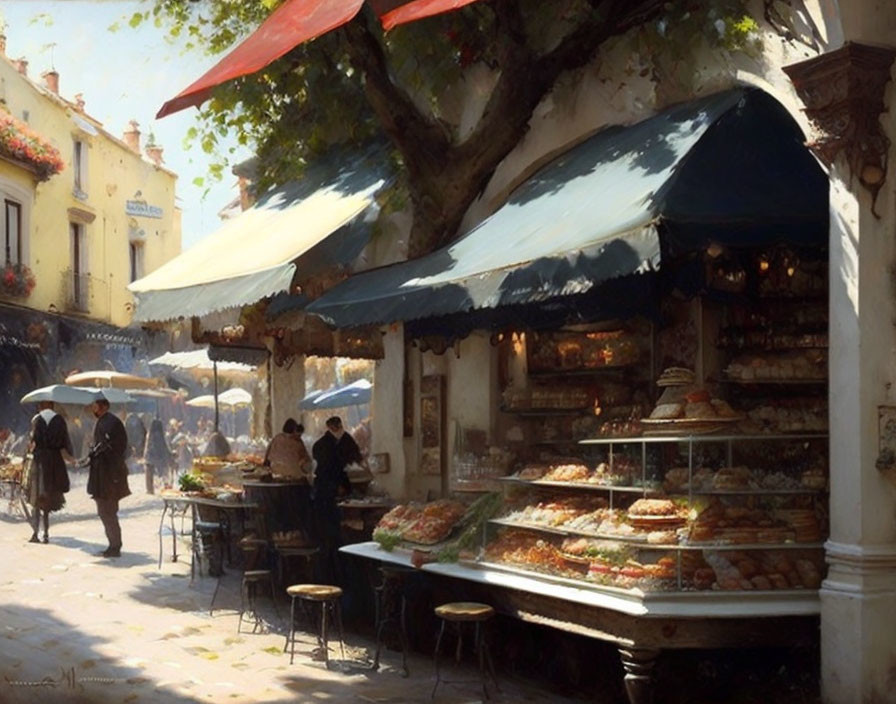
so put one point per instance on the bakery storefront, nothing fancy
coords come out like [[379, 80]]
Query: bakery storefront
[[656, 304]]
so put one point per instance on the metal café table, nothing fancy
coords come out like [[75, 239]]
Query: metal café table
[[177, 505]]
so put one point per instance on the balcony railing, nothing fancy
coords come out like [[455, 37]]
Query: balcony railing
[[77, 289]]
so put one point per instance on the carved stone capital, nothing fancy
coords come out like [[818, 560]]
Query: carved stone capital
[[843, 91]]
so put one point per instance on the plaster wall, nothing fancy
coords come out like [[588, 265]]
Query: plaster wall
[[386, 409], [114, 174], [472, 391]]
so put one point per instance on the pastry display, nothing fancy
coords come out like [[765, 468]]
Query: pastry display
[[551, 351], [809, 415], [533, 471], [677, 376], [691, 409], [568, 473], [806, 365], [528, 550], [557, 511], [427, 524], [684, 511]]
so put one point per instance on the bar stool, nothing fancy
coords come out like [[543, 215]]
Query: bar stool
[[458, 613], [328, 597], [391, 607], [253, 550]]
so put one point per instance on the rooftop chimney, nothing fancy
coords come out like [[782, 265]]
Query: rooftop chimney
[[132, 136], [22, 66], [79, 101], [154, 152], [2, 44], [51, 78]]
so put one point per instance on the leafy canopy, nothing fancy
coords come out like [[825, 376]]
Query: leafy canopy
[[409, 85]]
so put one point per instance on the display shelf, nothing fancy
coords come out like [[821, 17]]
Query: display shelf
[[745, 492], [552, 443], [660, 491], [538, 412], [688, 604], [648, 439], [580, 485], [707, 595], [590, 371], [476, 486], [758, 349], [642, 542], [821, 381]]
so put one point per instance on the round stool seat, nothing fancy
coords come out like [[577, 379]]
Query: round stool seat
[[465, 611], [256, 574], [315, 592]]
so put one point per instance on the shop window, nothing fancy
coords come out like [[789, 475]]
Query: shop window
[[79, 168], [79, 278], [135, 250], [13, 232]]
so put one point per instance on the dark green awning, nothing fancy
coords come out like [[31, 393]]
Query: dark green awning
[[729, 168]]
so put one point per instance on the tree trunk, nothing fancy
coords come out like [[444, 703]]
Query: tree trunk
[[445, 177]]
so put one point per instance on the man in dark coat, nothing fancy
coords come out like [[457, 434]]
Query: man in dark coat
[[332, 453], [107, 482], [48, 479]]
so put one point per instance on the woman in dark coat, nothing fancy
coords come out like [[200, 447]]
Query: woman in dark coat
[[48, 479]]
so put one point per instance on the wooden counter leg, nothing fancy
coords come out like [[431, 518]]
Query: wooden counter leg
[[638, 664]]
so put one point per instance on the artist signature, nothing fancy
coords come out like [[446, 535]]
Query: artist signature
[[68, 679]]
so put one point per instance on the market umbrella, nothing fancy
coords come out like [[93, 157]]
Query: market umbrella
[[235, 398], [232, 398], [354, 394], [199, 363], [75, 395], [106, 378]]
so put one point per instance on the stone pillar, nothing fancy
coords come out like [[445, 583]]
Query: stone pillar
[[287, 389], [845, 93]]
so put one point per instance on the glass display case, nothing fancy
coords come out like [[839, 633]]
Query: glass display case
[[671, 514]]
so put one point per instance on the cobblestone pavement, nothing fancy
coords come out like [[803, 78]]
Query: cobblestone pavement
[[75, 627]]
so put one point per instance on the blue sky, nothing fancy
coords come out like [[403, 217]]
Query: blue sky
[[123, 75]]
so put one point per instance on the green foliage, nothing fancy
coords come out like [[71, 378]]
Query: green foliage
[[386, 539], [190, 482], [471, 526], [313, 99]]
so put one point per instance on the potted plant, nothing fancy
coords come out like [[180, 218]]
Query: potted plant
[[17, 280]]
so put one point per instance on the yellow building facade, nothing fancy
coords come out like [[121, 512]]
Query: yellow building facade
[[108, 218]]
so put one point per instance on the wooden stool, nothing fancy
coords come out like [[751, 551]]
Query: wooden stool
[[328, 597], [457, 613]]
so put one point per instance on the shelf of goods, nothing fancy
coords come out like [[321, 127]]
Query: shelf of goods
[[682, 519]]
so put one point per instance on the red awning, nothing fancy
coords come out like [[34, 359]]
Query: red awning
[[294, 22], [420, 9]]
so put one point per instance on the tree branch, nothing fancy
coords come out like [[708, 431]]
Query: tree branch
[[402, 120]]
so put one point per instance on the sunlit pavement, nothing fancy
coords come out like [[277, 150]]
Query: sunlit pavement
[[81, 628]]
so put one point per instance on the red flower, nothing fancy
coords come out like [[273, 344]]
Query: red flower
[[19, 141]]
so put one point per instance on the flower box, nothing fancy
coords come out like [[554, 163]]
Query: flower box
[[20, 143]]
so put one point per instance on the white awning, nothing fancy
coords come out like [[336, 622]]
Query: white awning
[[253, 255]]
